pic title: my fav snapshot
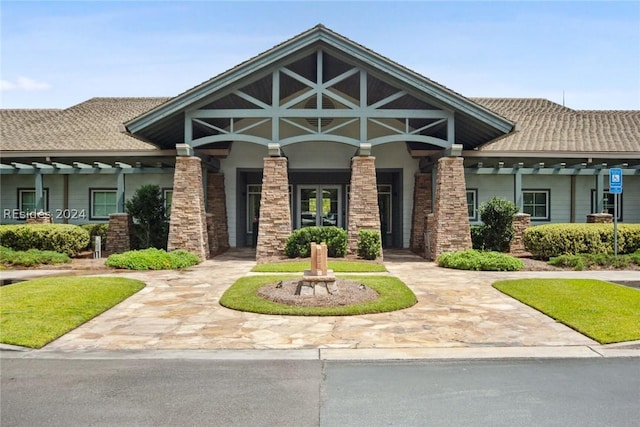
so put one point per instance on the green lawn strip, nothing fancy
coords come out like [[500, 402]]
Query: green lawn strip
[[338, 266], [605, 312], [35, 312], [394, 295]]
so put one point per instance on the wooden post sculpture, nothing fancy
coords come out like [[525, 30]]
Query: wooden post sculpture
[[318, 280]]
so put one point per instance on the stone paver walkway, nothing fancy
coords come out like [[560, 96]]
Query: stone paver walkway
[[180, 310]]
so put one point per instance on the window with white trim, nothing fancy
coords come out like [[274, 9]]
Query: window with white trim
[[104, 201], [609, 203], [472, 204], [27, 199], [536, 204]]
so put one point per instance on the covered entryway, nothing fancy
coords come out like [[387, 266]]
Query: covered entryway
[[319, 104]]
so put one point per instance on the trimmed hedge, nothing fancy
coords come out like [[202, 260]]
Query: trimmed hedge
[[64, 238], [152, 259], [472, 259], [297, 244], [369, 244], [551, 240]]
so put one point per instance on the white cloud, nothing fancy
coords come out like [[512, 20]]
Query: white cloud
[[23, 83]]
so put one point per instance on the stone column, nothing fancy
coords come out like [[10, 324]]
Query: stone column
[[188, 226], [217, 207], [364, 213], [421, 208], [521, 221], [39, 217], [600, 218], [451, 231], [275, 217], [118, 233]]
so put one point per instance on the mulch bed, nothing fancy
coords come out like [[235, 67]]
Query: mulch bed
[[349, 292]]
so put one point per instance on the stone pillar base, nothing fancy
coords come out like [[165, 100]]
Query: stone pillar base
[[451, 230], [217, 207], [364, 213], [600, 218], [188, 226], [421, 208], [119, 233], [274, 226], [521, 221]]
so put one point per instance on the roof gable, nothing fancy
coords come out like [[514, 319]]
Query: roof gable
[[164, 124]]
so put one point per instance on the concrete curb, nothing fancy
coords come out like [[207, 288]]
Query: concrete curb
[[338, 354]]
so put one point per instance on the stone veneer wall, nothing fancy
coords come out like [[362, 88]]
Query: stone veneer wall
[[217, 207], [450, 231], [39, 218], [187, 226], [521, 221], [118, 233], [421, 208], [211, 236], [600, 218], [364, 213], [275, 217]]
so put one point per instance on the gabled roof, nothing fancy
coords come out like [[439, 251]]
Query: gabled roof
[[96, 124], [161, 123], [545, 126]]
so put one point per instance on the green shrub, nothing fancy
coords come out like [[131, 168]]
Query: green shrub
[[297, 244], [152, 259], [64, 238], [472, 259], [369, 244], [477, 237], [497, 217], [146, 207], [551, 240], [97, 230], [31, 257]]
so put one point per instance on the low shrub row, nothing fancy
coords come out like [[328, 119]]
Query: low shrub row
[[31, 257], [551, 240], [64, 238], [589, 261], [152, 259], [472, 259]]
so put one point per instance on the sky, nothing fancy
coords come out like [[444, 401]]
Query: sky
[[57, 54]]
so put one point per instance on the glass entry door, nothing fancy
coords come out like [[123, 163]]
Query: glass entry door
[[319, 205]]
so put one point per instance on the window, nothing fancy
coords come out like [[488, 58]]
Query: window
[[27, 199], [609, 203], [472, 204], [103, 203], [167, 197], [536, 204]]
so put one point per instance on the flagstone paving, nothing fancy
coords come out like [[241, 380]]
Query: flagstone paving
[[180, 310]]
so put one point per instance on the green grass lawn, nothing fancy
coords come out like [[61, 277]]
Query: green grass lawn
[[394, 295], [35, 312], [603, 311], [338, 266]]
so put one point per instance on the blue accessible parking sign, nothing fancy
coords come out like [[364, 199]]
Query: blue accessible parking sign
[[615, 180]]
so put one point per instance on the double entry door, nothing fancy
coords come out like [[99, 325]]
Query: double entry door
[[319, 206]]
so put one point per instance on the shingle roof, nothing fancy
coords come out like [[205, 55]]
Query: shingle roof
[[543, 125], [96, 124]]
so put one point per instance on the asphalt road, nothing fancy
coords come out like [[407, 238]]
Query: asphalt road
[[176, 392]]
